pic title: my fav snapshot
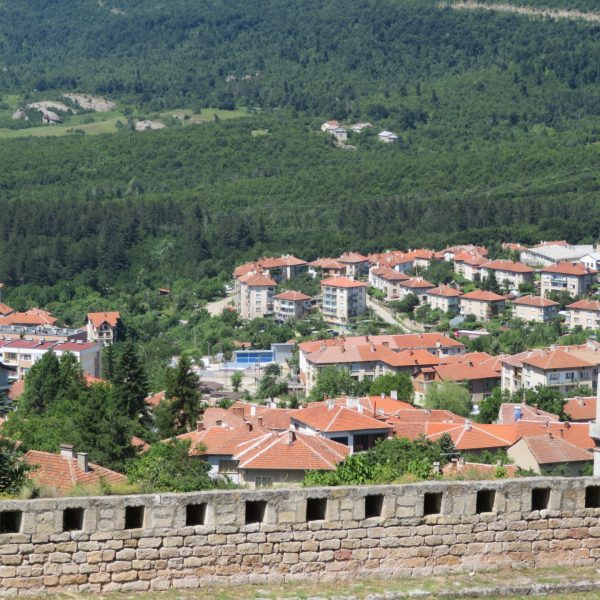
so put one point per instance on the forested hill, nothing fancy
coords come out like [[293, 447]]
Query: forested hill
[[320, 56]]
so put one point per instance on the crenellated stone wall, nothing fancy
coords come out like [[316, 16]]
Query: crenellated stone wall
[[162, 541]]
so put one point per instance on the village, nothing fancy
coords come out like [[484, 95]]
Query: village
[[401, 376]]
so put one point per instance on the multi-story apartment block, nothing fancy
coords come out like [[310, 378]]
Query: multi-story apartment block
[[254, 295], [585, 313], [21, 355], [387, 280], [534, 308], [290, 305], [443, 298], [327, 267], [103, 327], [573, 278], [343, 299], [507, 272], [357, 264], [468, 264], [484, 305], [415, 285]]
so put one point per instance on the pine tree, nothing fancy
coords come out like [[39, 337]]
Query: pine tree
[[109, 363], [42, 385], [183, 395], [131, 385]]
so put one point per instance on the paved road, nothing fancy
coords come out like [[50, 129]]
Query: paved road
[[215, 308], [385, 314]]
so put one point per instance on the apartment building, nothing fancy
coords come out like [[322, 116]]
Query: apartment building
[[357, 265], [290, 305], [507, 272], [327, 267], [387, 280], [254, 295], [554, 252], [103, 327], [535, 309], [484, 305], [573, 278], [21, 355], [343, 299], [468, 264], [443, 298], [41, 332], [417, 286], [584, 313], [562, 367]]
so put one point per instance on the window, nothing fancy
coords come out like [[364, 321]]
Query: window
[[73, 519], [10, 521], [432, 503], [255, 511], [592, 496], [195, 514], [263, 481], [540, 497], [316, 509], [485, 501], [228, 466], [134, 517]]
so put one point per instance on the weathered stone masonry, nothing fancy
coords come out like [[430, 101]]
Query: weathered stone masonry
[[155, 542]]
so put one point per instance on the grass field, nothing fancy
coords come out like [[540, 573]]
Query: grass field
[[97, 123]]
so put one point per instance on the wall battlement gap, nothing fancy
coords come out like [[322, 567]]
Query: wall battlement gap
[[163, 541]]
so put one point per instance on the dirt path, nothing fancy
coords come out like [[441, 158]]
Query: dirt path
[[553, 13]]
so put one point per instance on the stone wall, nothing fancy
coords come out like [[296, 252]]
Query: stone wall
[[162, 541]]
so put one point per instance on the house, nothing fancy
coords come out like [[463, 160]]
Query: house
[[357, 265], [343, 299], [415, 285], [511, 412], [364, 362], [484, 305], [508, 273], [21, 355], [103, 327], [327, 267], [284, 458], [549, 454], [479, 377], [402, 262], [69, 469], [535, 308], [351, 428], [451, 253], [584, 313], [573, 278], [554, 252], [359, 127], [444, 298], [387, 137], [33, 317], [592, 260], [254, 296], [562, 367], [290, 305], [386, 279], [468, 264], [330, 126], [581, 409]]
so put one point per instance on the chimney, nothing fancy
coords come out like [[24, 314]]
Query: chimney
[[467, 425], [360, 409], [252, 410], [199, 425], [82, 461], [67, 450], [291, 436], [394, 394], [330, 403], [238, 411], [249, 426]]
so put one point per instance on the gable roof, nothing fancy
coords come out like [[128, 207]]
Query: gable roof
[[415, 283], [592, 305], [506, 414], [281, 261], [507, 265], [343, 282], [549, 449], [221, 441], [443, 290], [98, 318], [257, 280], [64, 473], [290, 450], [5, 309], [482, 296], [465, 371], [327, 263], [538, 301], [352, 258], [292, 295], [581, 409], [326, 417], [568, 268]]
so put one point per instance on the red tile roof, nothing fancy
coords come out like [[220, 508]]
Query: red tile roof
[[281, 261], [508, 265], [482, 296], [444, 290], [581, 409], [16, 389], [352, 258], [549, 449], [293, 296], [64, 473], [155, 399], [327, 263], [34, 316], [506, 413], [5, 309], [416, 283], [289, 450], [591, 305], [534, 301], [556, 359], [342, 282], [104, 317], [222, 441], [257, 280], [567, 268], [374, 405], [328, 418], [465, 371]]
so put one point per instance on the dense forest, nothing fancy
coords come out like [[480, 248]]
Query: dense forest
[[498, 117]]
